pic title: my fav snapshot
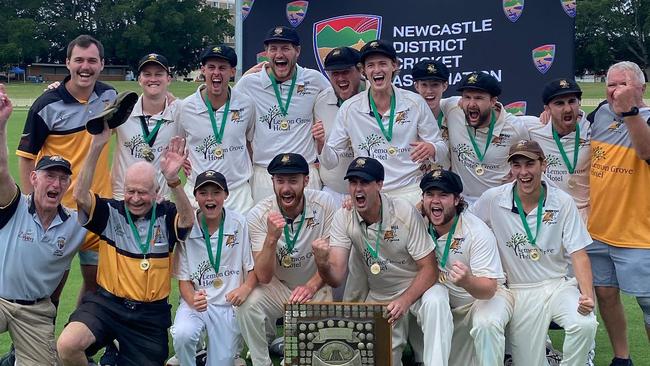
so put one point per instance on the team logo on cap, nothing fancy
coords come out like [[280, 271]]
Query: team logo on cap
[[517, 108], [513, 9], [216, 49], [285, 159], [436, 174], [344, 31], [472, 79], [431, 68], [246, 7], [374, 44], [152, 56], [543, 57], [336, 52], [277, 31], [569, 7], [210, 173], [296, 11], [564, 84], [522, 144], [360, 163], [56, 158]]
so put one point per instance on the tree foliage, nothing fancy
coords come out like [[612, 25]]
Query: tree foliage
[[39, 31], [609, 31]]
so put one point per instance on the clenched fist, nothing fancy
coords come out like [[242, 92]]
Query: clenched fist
[[275, 223]]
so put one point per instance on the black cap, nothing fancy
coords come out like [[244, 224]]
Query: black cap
[[430, 70], [282, 34], [53, 161], [341, 58], [444, 180], [480, 81], [210, 176], [366, 168], [557, 87], [115, 113], [219, 51], [378, 47], [288, 163], [154, 58]]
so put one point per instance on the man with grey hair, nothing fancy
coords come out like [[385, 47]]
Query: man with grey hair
[[619, 221]]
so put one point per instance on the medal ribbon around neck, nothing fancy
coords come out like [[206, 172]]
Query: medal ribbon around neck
[[450, 236], [289, 240], [540, 207], [441, 116], [149, 137], [284, 108], [375, 251], [143, 246], [215, 262], [556, 137], [493, 120], [387, 134], [218, 133]]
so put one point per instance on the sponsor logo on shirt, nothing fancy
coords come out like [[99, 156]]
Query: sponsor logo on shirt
[[27, 236], [275, 121], [522, 248], [391, 235], [235, 117], [615, 126], [456, 245], [401, 117], [205, 275], [550, 217], [212, 151], [468, 158], [231, 239], [503, 140], [60, 244]]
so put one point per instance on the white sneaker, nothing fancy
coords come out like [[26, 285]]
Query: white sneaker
[[173, 361], [239, 361]]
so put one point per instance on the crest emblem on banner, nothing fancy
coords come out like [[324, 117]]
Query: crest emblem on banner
[[513, 9], [517, 108], [569, 7], [543, 57], [296, 11], [344, 31], [246, 7]]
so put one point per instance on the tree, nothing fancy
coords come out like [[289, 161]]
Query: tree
[[609, 31]]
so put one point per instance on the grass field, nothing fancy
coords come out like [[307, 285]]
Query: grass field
[[636, 332]]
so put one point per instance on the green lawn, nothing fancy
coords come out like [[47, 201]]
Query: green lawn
[[637, 337]]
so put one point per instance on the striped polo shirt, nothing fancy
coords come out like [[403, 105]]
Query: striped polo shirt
[[119, 269]]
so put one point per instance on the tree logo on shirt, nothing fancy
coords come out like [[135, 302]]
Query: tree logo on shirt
[[517, 242], [282, 251], [464, 152], [552, 160], [370, 142], [207, 148], [201, 270], [270, 117], [598, 153]]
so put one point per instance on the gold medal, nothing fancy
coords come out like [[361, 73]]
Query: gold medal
[[571, 183], [217, 283], [442, 278], [375, 268], [284, 124], [392, 150], [479, 170], [218, 152], [147, 154], [534, 254], [144, 264], [286, 261]]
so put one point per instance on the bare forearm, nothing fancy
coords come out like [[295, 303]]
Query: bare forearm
[[481, 288], [183, 207], [640, 135], [186, 288], [265, 260], [25, 166], [251, 280], [423, 280], [7, 184], [582, 270], [315, 282], [82, 188]]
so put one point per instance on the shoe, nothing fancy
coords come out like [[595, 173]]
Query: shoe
[[553, 356], [173, 361], [621, 362], [507, 360], [277, 347], [201, 357]]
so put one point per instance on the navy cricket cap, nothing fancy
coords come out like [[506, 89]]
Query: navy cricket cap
[[430, 70], [444, 180], [210, 177], [53, 161], [366, 168], [288, 163], [482, 82], [557, 87], [380, 47], [154, 58], [219, 51], [282, 34], [341, 58]]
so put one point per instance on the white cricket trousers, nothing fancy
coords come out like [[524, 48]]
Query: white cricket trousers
[[536, 305]]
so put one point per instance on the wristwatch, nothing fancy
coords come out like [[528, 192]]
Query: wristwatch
[[174, 184], [633, 112]]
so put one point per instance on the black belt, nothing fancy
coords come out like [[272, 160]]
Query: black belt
[[129, 304], [25, 302]]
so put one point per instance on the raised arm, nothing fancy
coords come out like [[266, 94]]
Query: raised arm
[[332, 262], [170, 164], [265, 259], [82, 189], [7, 183]]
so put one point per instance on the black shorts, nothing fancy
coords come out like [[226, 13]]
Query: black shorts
[[140, 328]]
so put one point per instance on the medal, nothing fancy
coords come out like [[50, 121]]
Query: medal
[[479, 170], [388, 135], [218, 132], [147, 153], [534, 254], [392, 150], [375, 268], [217, 283], [218, 152], [149, 137], [214, 261], [144, 264], [572, 182], [284, 107], [286, 261], [284, 124], [442, 278]]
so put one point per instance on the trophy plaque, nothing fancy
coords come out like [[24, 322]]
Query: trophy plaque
[[341, 334]]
